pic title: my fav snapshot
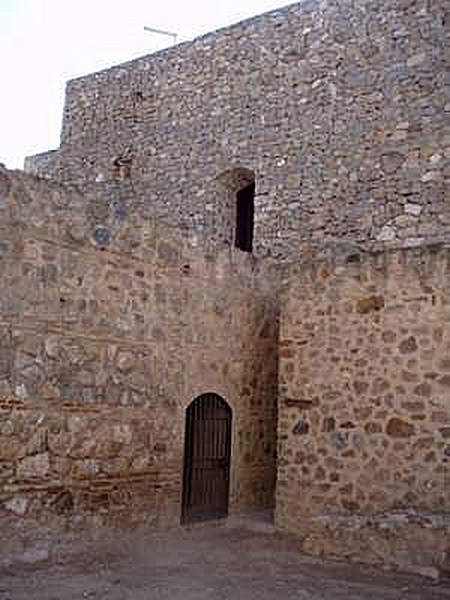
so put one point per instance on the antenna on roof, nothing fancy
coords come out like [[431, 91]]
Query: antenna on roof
[[162, 32]]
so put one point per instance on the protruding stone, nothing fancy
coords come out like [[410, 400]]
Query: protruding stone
[[387, 234]]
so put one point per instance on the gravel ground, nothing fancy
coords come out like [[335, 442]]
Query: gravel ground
[[208, 562]]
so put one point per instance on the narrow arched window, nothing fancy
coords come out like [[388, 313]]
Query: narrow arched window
[[234, 193], [245, 200]]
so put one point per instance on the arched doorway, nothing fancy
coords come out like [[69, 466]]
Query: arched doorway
[[207, 452]]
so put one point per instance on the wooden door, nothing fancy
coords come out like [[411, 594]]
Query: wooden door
[[206, 459]]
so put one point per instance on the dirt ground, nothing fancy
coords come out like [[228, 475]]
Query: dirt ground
[[208, 562]]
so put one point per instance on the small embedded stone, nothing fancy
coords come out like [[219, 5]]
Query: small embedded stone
[[445, 380], [413, 407], [301, 428], [413, 209], [391, 161], [409, 376], [5, 185], [329, 424], [370, 303], [102, 236], [360, 386], [5, 247], [372, 427], [423, 389], [34, 555], [387, 234], [445, 364], [17, 505], [168, 253], [416, 59], [49, 273], [409, 345], [350, 505], [63, 502], [125, 362], [121, 212], [358, 441], [397, 427], [339, 440], [388, 336], [76, 232], [298, 403], [34, 466]]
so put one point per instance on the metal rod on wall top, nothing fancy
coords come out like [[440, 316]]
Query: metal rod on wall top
[[162, 32]]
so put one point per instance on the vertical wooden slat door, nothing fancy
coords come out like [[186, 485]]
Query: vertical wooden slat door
[[206, 459]]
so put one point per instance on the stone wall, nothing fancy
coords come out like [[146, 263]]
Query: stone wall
[[364, 407], [109, 327], [339, 108]]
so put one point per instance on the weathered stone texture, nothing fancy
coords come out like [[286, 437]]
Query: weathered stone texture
[[339, 108], [368, 478], [111, 323], [104, 341]]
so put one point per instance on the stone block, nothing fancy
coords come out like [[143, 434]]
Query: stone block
[[399, 428], [34, 467]]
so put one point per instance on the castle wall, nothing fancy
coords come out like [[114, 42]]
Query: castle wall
[[364, 407], [339, 108], [109, 327]]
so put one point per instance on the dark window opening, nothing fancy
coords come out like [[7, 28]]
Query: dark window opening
[[244, 218]]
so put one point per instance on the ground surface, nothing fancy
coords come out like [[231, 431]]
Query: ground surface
[[209, 562]]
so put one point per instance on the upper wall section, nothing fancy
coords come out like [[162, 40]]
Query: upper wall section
[[338, 107]]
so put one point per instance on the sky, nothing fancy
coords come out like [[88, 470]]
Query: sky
[[43, 43]]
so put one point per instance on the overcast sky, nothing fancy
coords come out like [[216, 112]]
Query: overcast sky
[[45, 42]]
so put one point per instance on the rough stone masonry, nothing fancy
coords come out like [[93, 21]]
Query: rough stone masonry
[[124, 297], [340, 108]]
